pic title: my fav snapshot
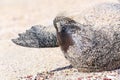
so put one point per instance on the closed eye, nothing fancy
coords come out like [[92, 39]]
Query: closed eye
[[63, 29]]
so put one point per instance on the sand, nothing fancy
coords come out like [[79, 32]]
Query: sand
[[22, 63]]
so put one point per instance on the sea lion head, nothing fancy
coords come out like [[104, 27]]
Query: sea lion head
[[65, 27]]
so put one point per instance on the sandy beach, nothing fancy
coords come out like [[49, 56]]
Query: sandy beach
[[22, 63]]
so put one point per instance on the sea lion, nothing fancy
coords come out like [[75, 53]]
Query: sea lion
[[87, 48], [89, 40]]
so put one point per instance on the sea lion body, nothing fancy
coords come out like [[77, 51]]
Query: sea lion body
[[92, 47]]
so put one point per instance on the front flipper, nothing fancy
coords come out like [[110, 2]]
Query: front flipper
[[37, 36]]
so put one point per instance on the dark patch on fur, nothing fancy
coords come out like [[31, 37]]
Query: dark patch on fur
[[64, 38], [64, 41]]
